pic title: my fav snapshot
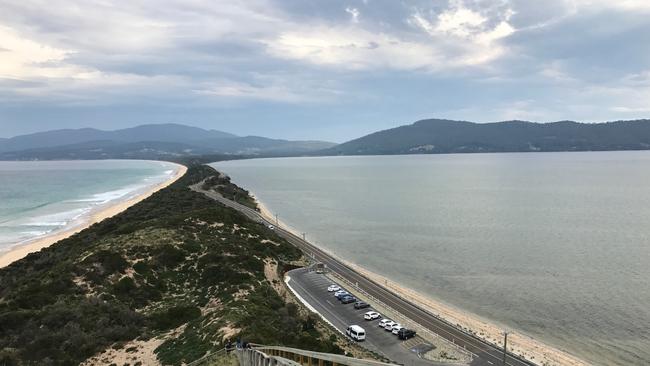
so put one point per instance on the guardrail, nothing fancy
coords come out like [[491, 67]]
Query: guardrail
[[299, 357], [260, 355]]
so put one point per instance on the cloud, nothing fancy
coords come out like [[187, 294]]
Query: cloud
[[478, 37], [269, 88], [352, 48], [354, 12], [579, 59], [460, 22], [24, 58], [455, 38], [627, 5]]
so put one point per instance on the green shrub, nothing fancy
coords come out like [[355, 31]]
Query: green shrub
[[174, 317]]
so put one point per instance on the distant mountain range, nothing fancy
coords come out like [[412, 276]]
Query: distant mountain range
[[436, 136], [431, 136], [161, 141]]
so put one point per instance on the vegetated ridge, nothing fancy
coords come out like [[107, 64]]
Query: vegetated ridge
[[160, 141], [177, 272], [435, 136]]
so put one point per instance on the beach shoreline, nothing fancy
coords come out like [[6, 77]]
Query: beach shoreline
[[519, 343], [22, 250]]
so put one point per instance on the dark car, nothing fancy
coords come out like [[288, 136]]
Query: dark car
[[342, 295], [348, 299], [405, 333], [361, 305]]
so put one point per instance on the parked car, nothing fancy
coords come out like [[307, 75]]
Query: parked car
[[342, 295], [382, 323], [405, 334], [396, 329], [338, 292], [271, 227], [389, 326], [348, 299], [333, 288], [361, 305], [356, 332], [371, 315]]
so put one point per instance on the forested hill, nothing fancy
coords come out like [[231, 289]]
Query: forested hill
[[154, 142], [444, 136]]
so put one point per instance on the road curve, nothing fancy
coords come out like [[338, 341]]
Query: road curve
[[485, 353]]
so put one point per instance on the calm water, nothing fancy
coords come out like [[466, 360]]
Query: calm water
[[556, 245], [37, 198]]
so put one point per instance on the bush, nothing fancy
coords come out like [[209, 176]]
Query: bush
[[174, 317]]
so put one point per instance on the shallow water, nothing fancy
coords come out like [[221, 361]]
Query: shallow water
[[554, 245], [39, 198]]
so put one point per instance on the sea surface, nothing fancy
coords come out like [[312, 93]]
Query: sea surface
[[40, 198], [553, 245]]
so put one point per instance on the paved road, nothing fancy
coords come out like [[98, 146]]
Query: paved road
[[485, 353], [312, 287]]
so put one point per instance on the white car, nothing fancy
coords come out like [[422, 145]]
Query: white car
[[382, 323], [389, 325], [396, 329], [356, 332], [340, 292], [371, 315], [271, 227], [333, 288]]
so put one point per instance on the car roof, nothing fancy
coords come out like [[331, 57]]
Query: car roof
[[357, 328]]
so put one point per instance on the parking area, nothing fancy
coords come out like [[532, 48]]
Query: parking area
[[313, 289]]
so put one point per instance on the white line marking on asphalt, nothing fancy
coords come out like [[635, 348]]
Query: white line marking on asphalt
[[308, 305]]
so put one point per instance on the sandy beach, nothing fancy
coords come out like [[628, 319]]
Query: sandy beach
[[37, 244], [518, 342]]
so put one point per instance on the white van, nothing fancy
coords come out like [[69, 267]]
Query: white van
[[356, 332]]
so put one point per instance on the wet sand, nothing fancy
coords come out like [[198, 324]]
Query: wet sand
[[21, 251], [518, 343]]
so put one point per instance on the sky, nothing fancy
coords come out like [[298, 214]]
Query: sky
[[312, 69]]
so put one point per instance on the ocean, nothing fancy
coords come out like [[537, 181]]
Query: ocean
[[553, 245], [44, 197]]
